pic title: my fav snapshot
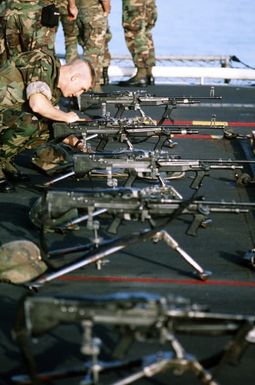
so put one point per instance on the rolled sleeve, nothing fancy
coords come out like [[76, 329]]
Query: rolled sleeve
[[38, 87]]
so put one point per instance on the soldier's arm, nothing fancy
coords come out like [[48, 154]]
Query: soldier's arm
[[72, 10], [41, 105], [39, 96]]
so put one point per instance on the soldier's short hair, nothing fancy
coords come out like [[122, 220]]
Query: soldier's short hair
[[90, 66]]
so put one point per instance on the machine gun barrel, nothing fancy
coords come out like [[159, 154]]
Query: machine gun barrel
[[163, 101]]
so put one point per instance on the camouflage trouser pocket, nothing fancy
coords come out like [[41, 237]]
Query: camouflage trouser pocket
[[18, 130]]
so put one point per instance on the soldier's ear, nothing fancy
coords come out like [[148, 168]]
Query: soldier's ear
[[75, 77]]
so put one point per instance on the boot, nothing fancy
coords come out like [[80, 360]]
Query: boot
[[150, 78], [105, 76], [141, 79]]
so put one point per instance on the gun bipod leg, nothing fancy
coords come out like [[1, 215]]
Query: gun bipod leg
[[152, 365], [162, 361], [201, 372], [171, 242]]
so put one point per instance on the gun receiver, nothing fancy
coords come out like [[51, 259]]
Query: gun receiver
[[121, 130], [135, 100], [154, 165], [146, 204]]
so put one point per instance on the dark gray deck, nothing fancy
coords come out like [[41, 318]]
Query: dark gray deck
[[154, 268]]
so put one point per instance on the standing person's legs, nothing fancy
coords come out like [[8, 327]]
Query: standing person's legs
[[151, 18], [134, 14], [107, 57], [92, 23], [70, 30]]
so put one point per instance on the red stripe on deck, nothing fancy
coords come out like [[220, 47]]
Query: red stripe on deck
[[163, 281], [190, 122]]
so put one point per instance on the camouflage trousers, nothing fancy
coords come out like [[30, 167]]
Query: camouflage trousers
[[19, 131], [70, 30], [138, 19], [107, 56], [93, 26]]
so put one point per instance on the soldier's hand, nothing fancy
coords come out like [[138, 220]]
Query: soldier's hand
[[106, 4], [71, 117], [77, 143], [72, 12]]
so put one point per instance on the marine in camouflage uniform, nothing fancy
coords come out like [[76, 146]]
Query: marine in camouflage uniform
[[138, 19], [93, 25], [19, 126], [30, 87], [23, 28], [70, 30]]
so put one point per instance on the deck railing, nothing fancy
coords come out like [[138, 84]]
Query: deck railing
[[186, 68]]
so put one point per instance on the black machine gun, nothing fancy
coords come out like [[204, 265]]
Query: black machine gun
[[135, 100], [127, 131], [147, 204], [149, 165], [133, 317]]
